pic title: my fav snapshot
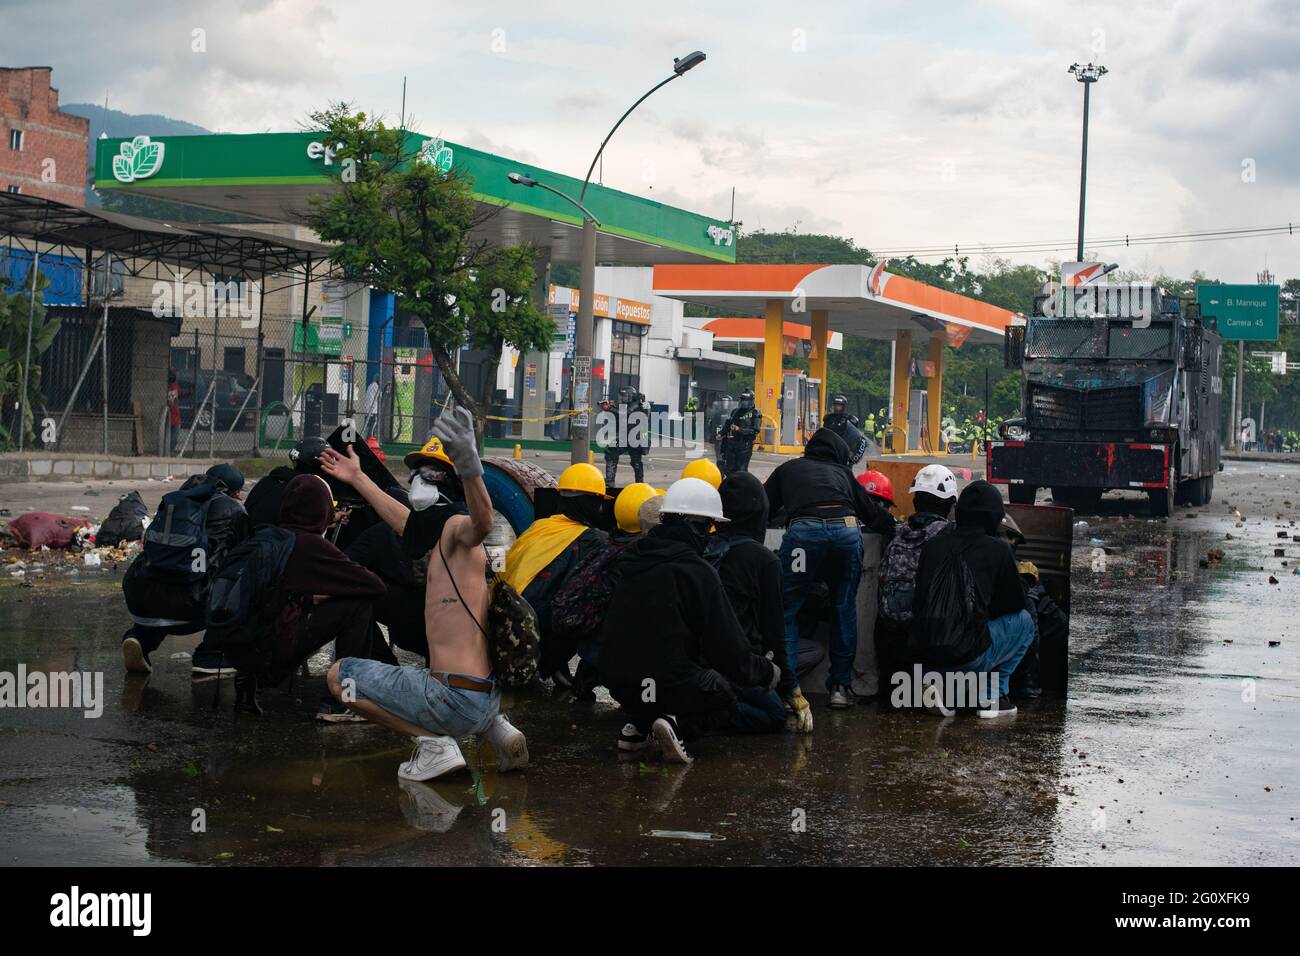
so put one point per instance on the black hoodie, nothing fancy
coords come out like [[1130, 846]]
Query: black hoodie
[[821, 485], [315, 565], [990, 559], [750, 571], [669, 619]]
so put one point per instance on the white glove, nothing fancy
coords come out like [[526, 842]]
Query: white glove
[[456, 429]]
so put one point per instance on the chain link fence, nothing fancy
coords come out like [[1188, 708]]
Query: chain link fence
[[228, 387]]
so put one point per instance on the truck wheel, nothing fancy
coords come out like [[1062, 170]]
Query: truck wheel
[[1021, 494], [1162, 499]]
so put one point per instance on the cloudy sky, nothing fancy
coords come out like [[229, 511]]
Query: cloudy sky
[[900, 124]]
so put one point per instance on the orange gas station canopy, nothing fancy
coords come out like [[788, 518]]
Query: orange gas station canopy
[[869, 302]]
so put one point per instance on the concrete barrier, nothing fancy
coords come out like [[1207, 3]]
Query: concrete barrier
[[37, 466]]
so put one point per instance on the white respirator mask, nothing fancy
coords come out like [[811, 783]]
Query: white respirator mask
[[424, 493]]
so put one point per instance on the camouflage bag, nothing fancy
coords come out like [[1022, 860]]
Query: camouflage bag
[[513, 641]]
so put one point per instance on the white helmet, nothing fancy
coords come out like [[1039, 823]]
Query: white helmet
[[693, 496], [936, 480]]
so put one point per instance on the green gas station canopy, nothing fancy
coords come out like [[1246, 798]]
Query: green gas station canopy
[[269, 177]]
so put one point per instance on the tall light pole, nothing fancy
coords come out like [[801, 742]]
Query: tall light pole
[[1087, 75], [584, 334]]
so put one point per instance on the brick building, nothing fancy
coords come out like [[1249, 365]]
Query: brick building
[[42, 150]]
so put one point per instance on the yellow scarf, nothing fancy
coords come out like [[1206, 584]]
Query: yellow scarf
[[537, 547]]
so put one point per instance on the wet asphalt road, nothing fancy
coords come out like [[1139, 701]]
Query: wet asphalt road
[[1177, 744]]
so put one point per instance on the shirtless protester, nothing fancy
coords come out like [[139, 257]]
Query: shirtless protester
[[457, 695]]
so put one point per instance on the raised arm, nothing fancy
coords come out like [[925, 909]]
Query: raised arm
[[456, 429], [348, 470]]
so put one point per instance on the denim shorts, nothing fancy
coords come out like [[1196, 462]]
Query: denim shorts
[[417, 697]]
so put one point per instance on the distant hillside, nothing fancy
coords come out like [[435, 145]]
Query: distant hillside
[[116, 123]]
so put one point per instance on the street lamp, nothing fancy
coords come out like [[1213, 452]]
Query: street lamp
[[585, 332], [1087, 75]]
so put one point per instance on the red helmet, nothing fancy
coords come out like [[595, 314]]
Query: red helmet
[[877, 485]]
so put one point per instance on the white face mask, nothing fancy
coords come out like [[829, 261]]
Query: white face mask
[[423, 494]]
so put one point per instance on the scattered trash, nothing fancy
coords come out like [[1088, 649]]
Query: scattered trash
[[1274, 643], [1279, 552], [80, 508], [1081, 524], [1272, 580], [1283, 534], [686, 835], [92, 560]]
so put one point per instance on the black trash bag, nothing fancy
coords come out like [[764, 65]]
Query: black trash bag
[[125, 522]]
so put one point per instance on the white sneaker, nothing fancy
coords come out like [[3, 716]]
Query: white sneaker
[[670, 742], [509, 742], [432, 757]]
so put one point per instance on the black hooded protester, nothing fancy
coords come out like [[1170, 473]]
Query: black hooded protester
[[160, 605], [673, 653], [991, 637], [328, 596], [824, 510], [749, 570], [263, 502]]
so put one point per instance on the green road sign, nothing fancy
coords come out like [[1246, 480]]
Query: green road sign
[[1244, 312]]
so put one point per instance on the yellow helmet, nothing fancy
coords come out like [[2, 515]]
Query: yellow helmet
[[705, 469], [582, 477], [629, 502], [432, 451]]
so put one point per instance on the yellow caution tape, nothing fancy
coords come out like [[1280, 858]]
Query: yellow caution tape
[[547, 418]]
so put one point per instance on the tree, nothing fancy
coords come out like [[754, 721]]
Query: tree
[[14, 312], [406, 226]]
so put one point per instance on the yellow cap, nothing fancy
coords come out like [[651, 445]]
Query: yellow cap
[[629, 502], [432, 451], [582, 477], [705, 469]]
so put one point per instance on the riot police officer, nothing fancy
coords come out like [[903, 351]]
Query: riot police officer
[[738, 434], [633, 433], [847, 427]]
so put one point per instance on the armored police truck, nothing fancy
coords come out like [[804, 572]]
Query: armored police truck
[[1121, 390]]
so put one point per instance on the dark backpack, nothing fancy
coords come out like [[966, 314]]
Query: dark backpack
[[124, 523], [579, 606], [179, 532], [951, 626], [246, 592], [898, 570]]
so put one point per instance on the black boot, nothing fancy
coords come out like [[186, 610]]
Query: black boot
[[246, 693]]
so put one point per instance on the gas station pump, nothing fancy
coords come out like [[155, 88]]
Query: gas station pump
[[800, 407]]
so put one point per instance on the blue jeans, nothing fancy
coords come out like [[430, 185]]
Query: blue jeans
[[417, 697], [1009, 639], [813, 551]]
